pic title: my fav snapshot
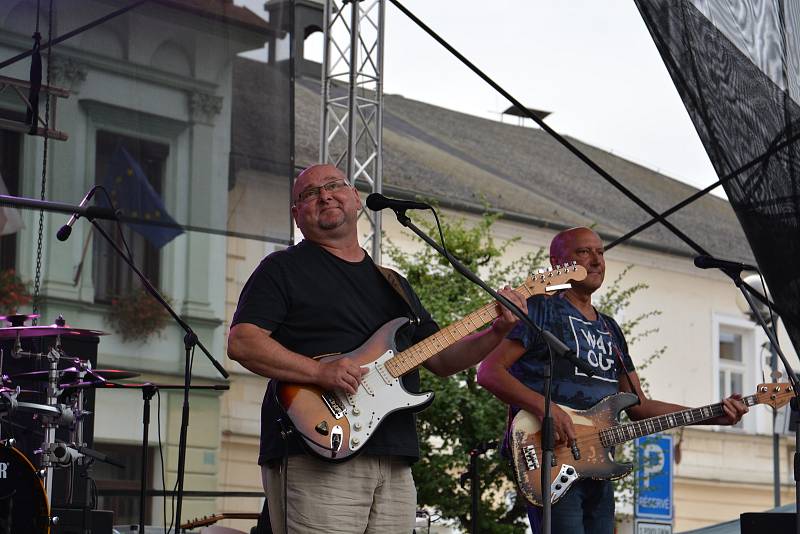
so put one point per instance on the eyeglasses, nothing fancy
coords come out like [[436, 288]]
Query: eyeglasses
[[312, 193]]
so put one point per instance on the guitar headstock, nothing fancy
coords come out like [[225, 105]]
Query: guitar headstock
[[551, 280], [776, 395], [201, 522]]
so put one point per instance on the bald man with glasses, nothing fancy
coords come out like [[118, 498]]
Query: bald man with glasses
[[325, 295]]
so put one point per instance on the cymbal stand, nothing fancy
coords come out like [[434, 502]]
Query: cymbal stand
[[49, 424]]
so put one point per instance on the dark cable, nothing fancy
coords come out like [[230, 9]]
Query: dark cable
[[161, 454], [72, 33], [688, 200], [34, 124], [563, 141]]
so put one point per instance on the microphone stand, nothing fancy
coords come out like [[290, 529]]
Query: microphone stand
[[148, 390], [190, 341], [557, 350], [735, 272], [473, 475]]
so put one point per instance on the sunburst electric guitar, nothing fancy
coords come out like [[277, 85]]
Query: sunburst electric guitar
[[598, 432], [335, 425]]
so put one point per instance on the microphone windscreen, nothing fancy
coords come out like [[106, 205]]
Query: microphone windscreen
[[376, 201], [63, 232]]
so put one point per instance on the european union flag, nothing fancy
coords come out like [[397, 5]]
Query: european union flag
[[133, 195]]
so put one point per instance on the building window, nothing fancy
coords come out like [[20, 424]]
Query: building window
[[116, 485], [10, 146], [112, 277], [736, 362]]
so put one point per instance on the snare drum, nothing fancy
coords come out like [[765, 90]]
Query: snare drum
[[23, 501]]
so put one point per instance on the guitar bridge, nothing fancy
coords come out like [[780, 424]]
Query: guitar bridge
[[531, 458], [333, 404]]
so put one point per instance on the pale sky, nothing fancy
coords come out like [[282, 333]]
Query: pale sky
[[592, 64]]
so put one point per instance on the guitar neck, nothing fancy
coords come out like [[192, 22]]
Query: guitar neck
[[416, 355], [543, 281], [622, 433]]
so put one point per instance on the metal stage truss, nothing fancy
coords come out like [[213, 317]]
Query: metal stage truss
[[352, 99]]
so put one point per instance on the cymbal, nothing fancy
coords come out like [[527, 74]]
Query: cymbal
[[18, 319], [71, 374], [12, 332]]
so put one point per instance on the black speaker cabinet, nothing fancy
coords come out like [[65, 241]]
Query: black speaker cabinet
[[759, 523], [82, 521]]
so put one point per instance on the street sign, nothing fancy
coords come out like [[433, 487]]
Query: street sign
[[654, 478], [648, 527]]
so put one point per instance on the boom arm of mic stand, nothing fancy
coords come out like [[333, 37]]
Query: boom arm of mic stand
[[556, 345]]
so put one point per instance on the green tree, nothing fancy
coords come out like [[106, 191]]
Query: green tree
[[464, 415]]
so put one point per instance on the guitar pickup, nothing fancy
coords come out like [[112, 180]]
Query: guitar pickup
[[531, 458], [333, 404], [557, 287]]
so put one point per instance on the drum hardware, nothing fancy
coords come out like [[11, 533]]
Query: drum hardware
[[72, 373]]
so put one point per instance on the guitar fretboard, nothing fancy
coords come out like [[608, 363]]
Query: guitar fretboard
[[622, 433], [416, 355]]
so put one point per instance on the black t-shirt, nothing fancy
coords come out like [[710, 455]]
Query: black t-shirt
[[316, 303]]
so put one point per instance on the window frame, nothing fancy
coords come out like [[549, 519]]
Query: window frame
[[153, 262], [750, 363]]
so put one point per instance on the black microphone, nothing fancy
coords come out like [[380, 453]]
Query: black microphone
[[378, 202], [710, 262], [64, 231]]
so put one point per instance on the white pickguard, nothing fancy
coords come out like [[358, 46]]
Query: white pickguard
[[378, 395]]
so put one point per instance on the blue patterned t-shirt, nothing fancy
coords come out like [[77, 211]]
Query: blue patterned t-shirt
[[600, 343]]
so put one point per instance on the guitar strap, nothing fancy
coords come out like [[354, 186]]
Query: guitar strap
[[620, 358], [394, 280]]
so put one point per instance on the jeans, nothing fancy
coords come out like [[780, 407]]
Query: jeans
[[587, 508]]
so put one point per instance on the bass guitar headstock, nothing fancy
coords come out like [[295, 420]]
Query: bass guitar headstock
[[776, 395]]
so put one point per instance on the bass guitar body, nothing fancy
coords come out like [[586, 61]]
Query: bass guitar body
[[335, 425], [589, 457]]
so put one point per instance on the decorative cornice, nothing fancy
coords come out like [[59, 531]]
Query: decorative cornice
[[204, 107]]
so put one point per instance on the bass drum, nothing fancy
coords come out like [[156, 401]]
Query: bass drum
[[23, 501]]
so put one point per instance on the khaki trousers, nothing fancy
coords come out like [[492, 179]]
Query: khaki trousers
[[365, 495]]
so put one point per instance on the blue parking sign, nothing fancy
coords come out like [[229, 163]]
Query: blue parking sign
[[654, 477]]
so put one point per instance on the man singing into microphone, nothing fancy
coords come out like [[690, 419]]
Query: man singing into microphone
[[322, 296], [514, 372]]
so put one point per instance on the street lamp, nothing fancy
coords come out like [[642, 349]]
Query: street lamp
[[755, 281]]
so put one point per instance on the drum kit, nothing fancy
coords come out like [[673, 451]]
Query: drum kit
[[58, 385]]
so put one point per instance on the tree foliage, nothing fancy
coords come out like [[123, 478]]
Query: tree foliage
[[464, 415]]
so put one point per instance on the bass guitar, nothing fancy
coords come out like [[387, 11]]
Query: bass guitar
[[335, 425], [598, 432]]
